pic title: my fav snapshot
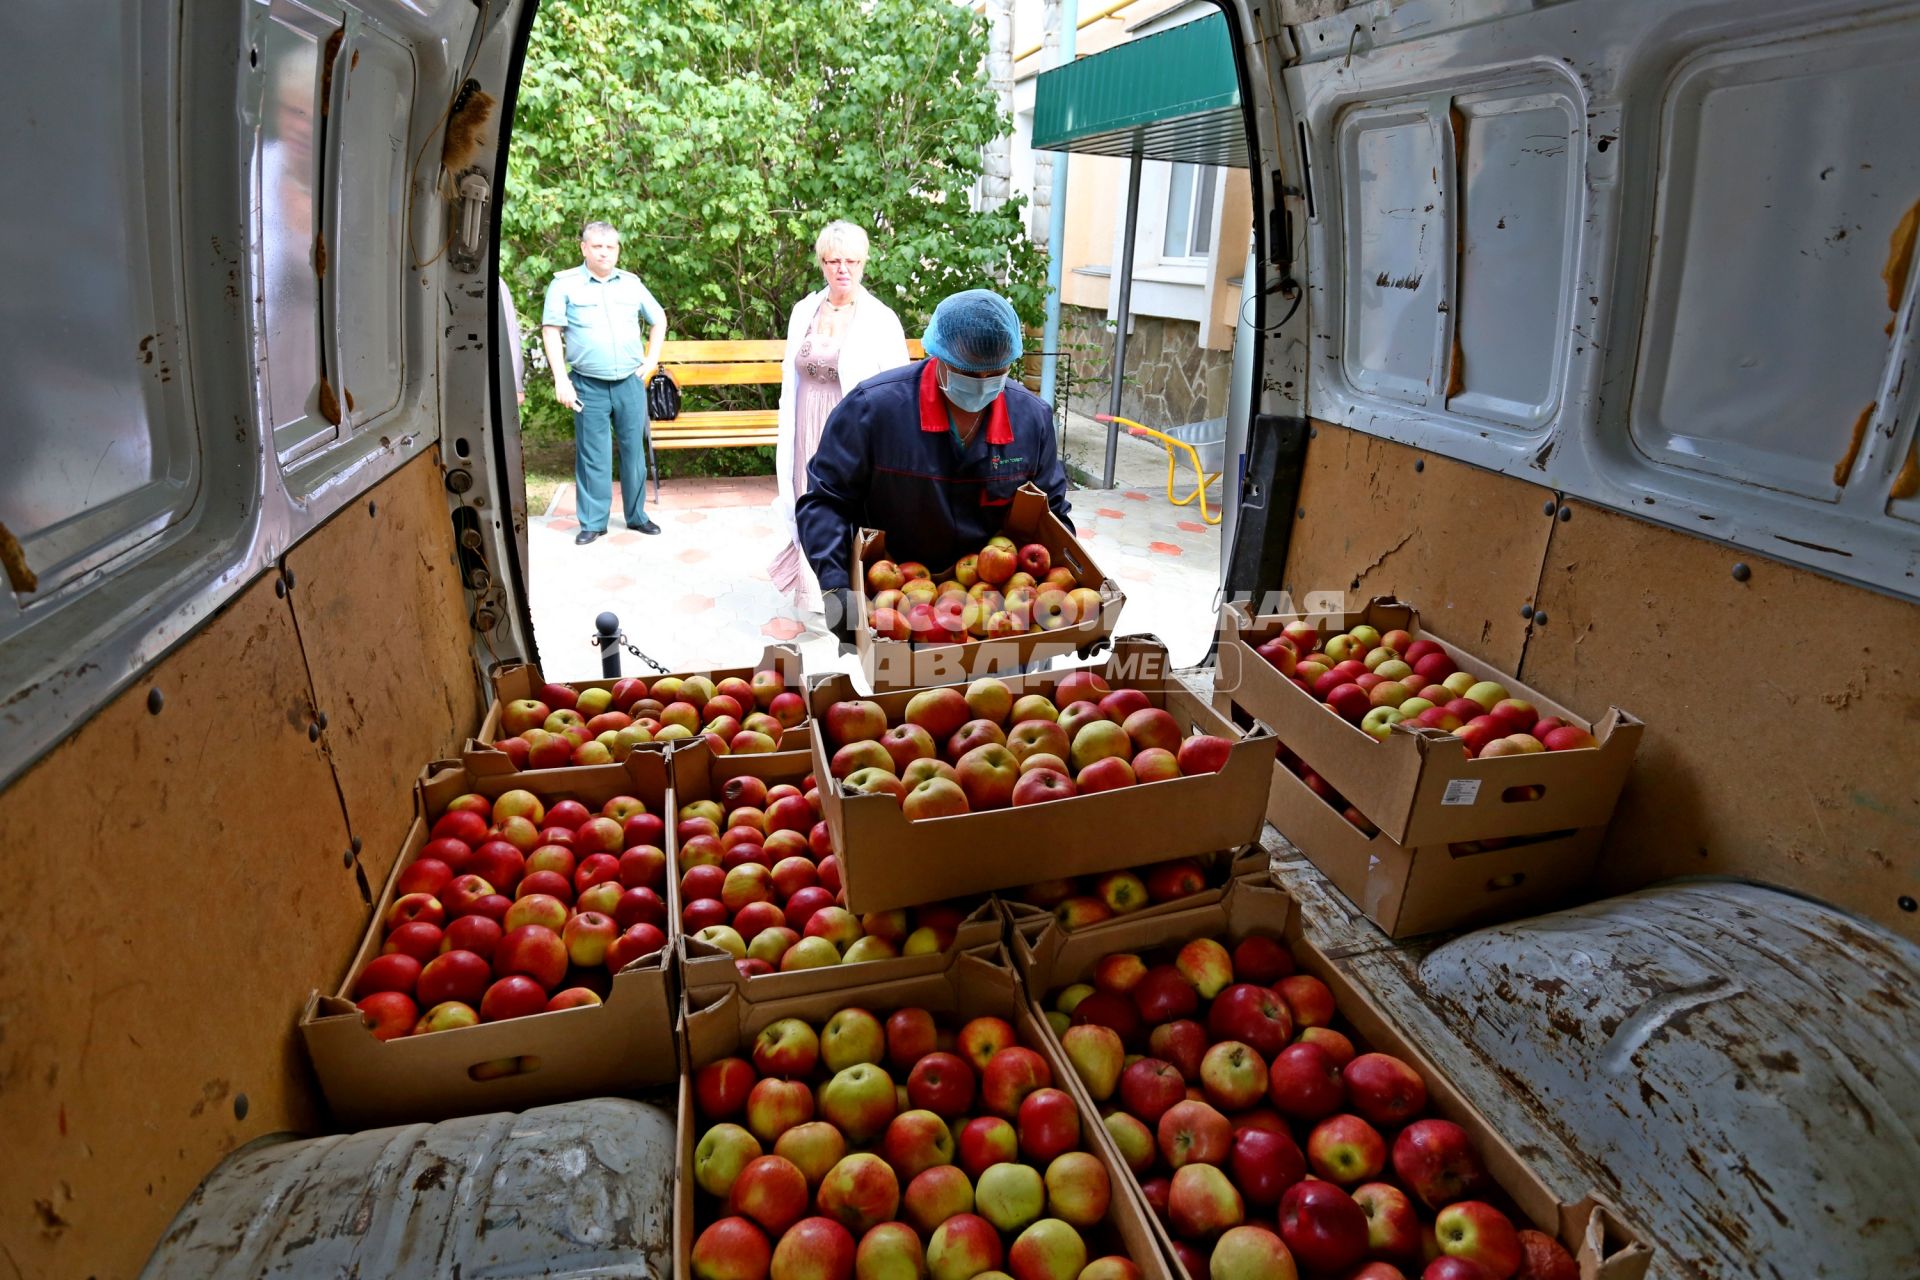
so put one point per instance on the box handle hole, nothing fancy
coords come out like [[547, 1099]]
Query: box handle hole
[[1511, 880], [1524, 794], [504, 1068]]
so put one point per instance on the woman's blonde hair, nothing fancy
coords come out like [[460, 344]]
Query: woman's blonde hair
[[842, 235]]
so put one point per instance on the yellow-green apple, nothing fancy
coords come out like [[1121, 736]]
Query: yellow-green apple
[[732, 1248], [1309, 999], [1435, 1160], [942, 1083], [1069, 997], [1097, 1055], [1075, 716], [1337, 1046], [814, 1249], [522, 714], [1544, 1258], [515, 996], [1346, 1150], [1099, 740], [916, 1141], [860, 1102], [974, 733], [1204, 753], [989, 699], [1079, 912], [1258, 958], [1397, 671], [905, 743], [1048, 1124], [852, 1036], [1149, 1088], [1304, 1082], [981, 1038], [1033, 706], [1010, 1195], [1083, 604], [987, 775], [1041, 785], [771, 1191], [931, 1197], [1255, 1016], [1059, 576], [766, 685], [964, 1246], [1111, 1267], [389, 1014], [1132, 1139], [719, 1157], [1193, 1133], [1250, 1253], [1050, 1249], [1163, 994], [1078, 1189], [1233, 1076], [927, 940], [1182, 1044], [1206, 965], [448, 1017], [748, 882], [775, 1105], [720, 1088], [939, 711], [1029, 738], [1264, 1163], [919, 771], [1377, 655], [635, 943], [836, 924], [1393, 1228], [874, 782], [1478, 1232], [1307, 673], [1384, 1090], [788, 1047], [1201, 1202], [1323, 1227], [1122, 891], [725, 937], [770, 945], [884, 575], [814, 1148]]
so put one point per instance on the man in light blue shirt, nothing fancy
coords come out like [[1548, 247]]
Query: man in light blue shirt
[[591, 324]]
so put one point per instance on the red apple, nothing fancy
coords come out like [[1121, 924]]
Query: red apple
[[1201, 1202], [1193, 1133], [1010, 1075], [1346, 1150], [1303, 1082], [635, 943], [860, 1192], [395, 972], [772, 1191], [513, 996], [1261, 960], [1264, 1164], [1180, 878], [985, 1141], [1182, 1042], [1149, 1088], [1445, 1268], [1478, 1232], [1435, 1160], [1309, 999], [1323, 1227], [1544, 1258], [720, 1088], [981, 1039], [814, 1249], [389, 1014], [1393, 1228], [1253, 1015], [1163, 995], [1384, 1090]]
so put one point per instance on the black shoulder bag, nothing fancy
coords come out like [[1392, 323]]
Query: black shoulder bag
[[663, 397]]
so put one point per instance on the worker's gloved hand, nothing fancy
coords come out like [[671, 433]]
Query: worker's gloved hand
[[841, 616]]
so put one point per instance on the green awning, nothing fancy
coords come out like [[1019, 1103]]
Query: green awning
[[1173, 95]]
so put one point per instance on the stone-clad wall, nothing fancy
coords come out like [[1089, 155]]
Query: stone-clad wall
[[1170, 380]]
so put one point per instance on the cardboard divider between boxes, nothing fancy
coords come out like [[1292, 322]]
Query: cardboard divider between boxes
[[887, 861], [975, 984], [899, 664], [707, 971], [514, 681], [623, 1044], [1594, 1233]]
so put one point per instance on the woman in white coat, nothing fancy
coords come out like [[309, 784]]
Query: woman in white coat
[[836, 339]]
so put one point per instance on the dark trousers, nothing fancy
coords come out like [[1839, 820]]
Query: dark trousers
[[610, 409]]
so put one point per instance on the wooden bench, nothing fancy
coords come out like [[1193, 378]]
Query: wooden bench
[[726, 364]]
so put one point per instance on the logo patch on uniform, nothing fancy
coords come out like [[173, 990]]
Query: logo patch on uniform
[[1002, 461]]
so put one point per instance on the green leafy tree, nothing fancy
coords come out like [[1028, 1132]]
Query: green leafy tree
[[719, 137]]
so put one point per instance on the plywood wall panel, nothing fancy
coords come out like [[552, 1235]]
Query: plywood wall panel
[[175, 885], [1783, 712], [383, 619], [1462, 545]]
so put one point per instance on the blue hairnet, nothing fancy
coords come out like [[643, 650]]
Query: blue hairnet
[[974, 331]]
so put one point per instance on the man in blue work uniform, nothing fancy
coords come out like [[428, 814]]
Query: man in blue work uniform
[[595, 309], [930, 452]]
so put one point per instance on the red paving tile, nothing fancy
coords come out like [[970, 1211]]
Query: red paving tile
[[1194, 526], [1132, 495], [564, 524], [624, 537], [759, 531], [782, 628], [1110, 513], [692, 555], [693, 604], [1164, 548], [618, 583]]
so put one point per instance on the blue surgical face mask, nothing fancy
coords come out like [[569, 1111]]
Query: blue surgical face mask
[[971, 395]]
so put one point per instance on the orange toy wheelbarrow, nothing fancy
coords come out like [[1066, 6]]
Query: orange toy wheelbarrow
[[1205, 444]]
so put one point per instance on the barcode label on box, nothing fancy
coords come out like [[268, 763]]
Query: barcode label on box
[[1461, 791]]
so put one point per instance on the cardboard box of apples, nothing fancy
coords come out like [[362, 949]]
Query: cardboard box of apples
[[1275, 1123], [906, 1128], [760, 891], [534, 723], [1421, 888], [950, 791], [520, 953], [1086, 902], [1030, 594], [1425, 742]]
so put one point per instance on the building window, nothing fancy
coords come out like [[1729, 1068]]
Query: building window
[[1189, 233]]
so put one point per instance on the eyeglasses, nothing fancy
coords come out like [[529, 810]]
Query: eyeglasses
[[843, 262]]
